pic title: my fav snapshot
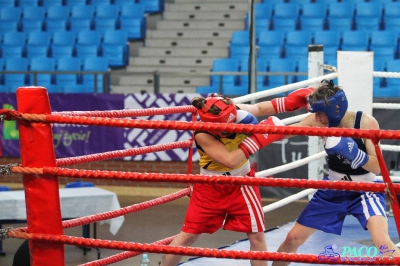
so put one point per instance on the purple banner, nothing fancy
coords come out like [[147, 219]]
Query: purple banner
[[78, 140]]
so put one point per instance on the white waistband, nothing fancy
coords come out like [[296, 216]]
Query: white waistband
[[368, 177], [241, 171]]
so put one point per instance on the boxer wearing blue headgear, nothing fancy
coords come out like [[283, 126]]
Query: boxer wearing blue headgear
[[334, 107], [349, 159]]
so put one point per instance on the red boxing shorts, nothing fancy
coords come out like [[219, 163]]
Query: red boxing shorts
[[235, 208]]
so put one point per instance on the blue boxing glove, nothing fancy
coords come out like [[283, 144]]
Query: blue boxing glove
[[244, 117], [347, 148]]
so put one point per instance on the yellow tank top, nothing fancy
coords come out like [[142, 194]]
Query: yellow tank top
[[231, 143]]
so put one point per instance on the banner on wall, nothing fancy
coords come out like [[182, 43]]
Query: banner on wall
[[78, 140]]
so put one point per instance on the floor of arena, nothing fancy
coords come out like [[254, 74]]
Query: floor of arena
[[166, 220]]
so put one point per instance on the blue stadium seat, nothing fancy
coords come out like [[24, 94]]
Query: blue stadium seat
[[312, 24], [81, 17], [280, 65], [95, 64], [54, 25], [270, 44], [58, 12], [261, 79], [33, 51], [314, 10], [28, 25], [242, 53], [355, 41], [14, 38], [330, 40], [100, 2], [122, 2], [78, 24], [368, 16], [58, 51], [40, 38], [115, 48], [341, 9], [340, 16], [31, 3], [225, 65], [296, 45], [301, 66], [7, 2], [89, 37], [391, 23], [135, 27], [64, 38], [107, 11], [262, 16], [313, 16], [106, 17], [240, 38], [43, 64], [87, 50], [379, 65], [49, 3], [75, 2], [14, 51], [153, 6], [393, 83], [68, 64], [57, 18], [384, 44], [14, 81], [9, 25], [340, 24], [132, 20], [286, 17], [104, 24], [10, 13], [391, 12], [33, 12]]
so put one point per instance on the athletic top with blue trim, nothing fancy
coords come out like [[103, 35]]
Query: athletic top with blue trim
[[231, 142], [340, 164]]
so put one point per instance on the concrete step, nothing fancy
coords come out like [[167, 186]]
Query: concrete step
[[188, 34], [171, 42], [165, 80], [161, 69], [199, 15], [220, 6], [150, 89], [215, 25], [167, 52], [172, 61]]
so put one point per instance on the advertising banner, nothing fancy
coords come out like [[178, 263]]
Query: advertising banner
[[78, 140]]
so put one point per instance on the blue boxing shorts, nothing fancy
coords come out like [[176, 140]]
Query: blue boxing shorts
[[327, 209]]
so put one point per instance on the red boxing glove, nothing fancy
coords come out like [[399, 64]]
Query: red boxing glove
[[295, 100], [253, 143]]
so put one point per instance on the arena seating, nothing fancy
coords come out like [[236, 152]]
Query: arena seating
[[338, 25], [54, 29], [332, 23]]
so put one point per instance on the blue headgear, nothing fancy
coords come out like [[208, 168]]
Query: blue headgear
[[335, 109]]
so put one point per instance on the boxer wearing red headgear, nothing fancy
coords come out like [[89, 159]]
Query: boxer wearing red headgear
[[214, 206]]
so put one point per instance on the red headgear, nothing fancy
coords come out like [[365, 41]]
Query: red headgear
[[227, 115]]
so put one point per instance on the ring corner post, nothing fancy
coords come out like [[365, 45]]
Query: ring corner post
[[41, 192], [315, 69]]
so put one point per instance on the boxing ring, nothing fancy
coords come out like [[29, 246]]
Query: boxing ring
[[40, 174]]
